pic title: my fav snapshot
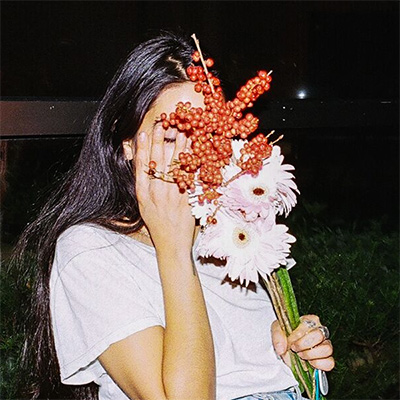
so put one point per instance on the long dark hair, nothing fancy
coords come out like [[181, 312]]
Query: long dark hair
[[100, 188]]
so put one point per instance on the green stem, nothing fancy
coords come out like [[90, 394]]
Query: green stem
[[296, 374], [289, 297], [305, 378], [302, 370]]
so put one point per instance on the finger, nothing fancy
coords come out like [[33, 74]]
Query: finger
[[188, 147], [157, 147], [141, 164], [279, 340], [307, 323], [310, 339], [324, 364], [180, 145], [322, 350]]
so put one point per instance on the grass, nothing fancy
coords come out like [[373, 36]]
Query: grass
[[349, 276]]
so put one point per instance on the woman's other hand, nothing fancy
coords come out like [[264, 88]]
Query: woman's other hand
[[310, 340]]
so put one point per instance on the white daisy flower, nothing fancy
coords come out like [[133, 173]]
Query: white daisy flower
[[272, 190], [250, 248]]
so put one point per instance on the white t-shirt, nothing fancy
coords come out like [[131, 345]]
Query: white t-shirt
[[105, 286]]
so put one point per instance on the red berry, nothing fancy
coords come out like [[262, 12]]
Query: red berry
[[152, 165], [196, 56], [209, 62]]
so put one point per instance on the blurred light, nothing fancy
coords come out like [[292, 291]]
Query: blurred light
[[301, 94]]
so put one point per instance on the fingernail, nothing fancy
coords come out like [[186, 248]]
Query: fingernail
[[142, 136]]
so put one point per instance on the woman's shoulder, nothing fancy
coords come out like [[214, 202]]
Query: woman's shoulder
[[86, 240], [97, 245], [87, 234]]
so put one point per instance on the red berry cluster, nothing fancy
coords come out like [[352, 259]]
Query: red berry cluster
[[211, 130], [253, 153]]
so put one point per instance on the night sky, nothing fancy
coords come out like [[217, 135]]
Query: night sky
[[330, 49]]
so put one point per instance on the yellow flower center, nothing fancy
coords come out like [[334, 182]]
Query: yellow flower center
[[241, 238]]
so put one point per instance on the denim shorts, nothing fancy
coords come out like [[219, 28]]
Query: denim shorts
[[292, 393]]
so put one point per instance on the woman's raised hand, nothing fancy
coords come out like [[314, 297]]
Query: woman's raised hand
[[188, 361], [309, 340], [164, 209]]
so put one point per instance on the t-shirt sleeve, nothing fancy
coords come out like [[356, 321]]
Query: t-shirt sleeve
[[94, 302]]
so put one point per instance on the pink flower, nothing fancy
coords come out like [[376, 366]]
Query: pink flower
[[250, 248], [272, 191]]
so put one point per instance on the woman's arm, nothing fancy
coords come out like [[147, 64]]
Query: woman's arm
[[176, 362], [188, 362]]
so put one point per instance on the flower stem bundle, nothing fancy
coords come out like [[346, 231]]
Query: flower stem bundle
[[281, 291]]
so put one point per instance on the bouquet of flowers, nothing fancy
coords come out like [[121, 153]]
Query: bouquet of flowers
[[237, 187]]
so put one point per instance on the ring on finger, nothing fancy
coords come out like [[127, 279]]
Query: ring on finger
[[325, 331]]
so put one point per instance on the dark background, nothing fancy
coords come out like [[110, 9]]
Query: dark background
[[333, 49]]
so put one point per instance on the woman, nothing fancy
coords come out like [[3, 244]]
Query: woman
[[119, 299]]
